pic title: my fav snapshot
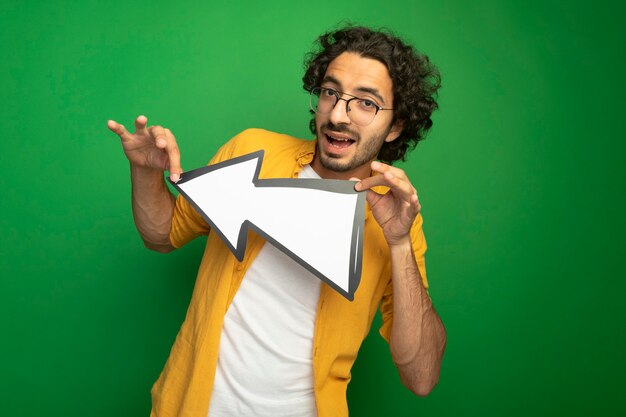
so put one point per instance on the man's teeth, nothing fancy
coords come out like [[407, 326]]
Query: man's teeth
[[340, 139]]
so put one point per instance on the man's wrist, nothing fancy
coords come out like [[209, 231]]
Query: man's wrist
[[145, 171], [146, 176], [400, 244]]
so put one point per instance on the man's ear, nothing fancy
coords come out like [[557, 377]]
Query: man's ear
[[395, 131]]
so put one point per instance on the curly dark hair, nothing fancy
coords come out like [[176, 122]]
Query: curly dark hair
[[415, 80]]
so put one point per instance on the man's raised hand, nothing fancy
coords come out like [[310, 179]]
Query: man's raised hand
[[396, 210], [152, 147]]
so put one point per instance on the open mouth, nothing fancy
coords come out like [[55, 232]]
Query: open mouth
[[339, 143]]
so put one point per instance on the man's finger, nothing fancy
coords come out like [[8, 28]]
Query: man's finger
[[382, 168], [159, 136], [140, 125], [119, 130], [369, 182], [401, 188], [173, 154]]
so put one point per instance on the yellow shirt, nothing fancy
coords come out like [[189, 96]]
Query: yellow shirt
[[185, 384]]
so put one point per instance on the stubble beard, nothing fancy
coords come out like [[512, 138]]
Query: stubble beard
[[366, 150]]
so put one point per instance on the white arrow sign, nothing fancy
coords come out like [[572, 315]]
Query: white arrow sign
[[318, 223]]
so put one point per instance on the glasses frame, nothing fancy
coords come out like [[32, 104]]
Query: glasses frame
[[316, 91]]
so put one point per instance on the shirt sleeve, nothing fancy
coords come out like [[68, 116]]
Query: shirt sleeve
[[187, 224], [419, 249]]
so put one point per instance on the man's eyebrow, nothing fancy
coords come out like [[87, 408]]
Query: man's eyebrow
[[331, 79], [373, 92], [368, 90]]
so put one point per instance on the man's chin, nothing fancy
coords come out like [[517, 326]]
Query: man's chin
[[335, 164]]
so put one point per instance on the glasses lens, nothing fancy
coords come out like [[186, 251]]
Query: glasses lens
[[361, 112], [315, 98], [360, 115], [323, 100]]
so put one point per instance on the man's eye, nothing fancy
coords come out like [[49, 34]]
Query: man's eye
[[367, 104], [329, 92]]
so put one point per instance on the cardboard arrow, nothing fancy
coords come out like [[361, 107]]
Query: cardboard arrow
[[318, 223]]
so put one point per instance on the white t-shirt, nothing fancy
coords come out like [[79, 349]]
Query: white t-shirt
[[265, 361]]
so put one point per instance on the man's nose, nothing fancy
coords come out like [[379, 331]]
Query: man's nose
[[339, 113]]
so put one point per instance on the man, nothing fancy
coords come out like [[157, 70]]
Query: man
[[264, 336]]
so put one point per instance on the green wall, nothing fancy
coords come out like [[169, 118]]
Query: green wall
[[521, 180]]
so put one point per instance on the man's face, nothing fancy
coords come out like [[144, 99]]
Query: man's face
[[345, 149]]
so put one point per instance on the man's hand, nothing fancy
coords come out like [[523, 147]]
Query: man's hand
[[151, 150], [396, 210], [152, 147]]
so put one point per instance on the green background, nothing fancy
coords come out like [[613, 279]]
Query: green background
[[521, 181]]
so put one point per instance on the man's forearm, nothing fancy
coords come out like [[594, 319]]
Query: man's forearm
[[418, 337], [153, 207]]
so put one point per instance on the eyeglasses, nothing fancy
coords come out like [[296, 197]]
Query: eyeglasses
[[361, 112]]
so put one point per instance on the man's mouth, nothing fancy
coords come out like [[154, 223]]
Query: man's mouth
[[339, 142]]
